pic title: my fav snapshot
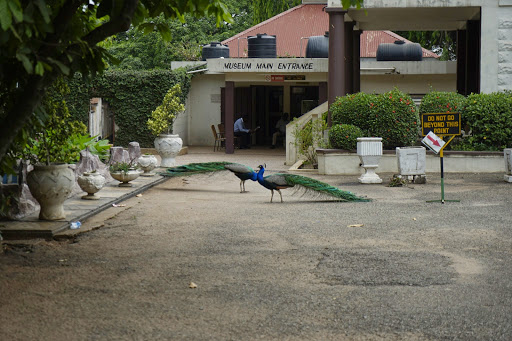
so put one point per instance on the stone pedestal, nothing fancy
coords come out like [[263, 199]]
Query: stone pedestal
[[369, 150], [134, 151], [411, 162]]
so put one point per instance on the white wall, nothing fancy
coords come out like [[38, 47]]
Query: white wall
[[417, 84], [203, 109]]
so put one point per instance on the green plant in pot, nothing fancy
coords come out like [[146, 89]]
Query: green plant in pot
[[50, 151], [124, 172], [160, 124]]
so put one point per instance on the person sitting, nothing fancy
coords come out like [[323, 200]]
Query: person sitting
[[242, 133], [280, 129]]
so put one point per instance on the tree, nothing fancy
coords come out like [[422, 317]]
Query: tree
[[264, 9], [41, 41], [136, 50], [440, 42]]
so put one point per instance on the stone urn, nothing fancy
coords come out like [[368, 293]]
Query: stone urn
[[91, 182], [125, 177], [147, 163], [51, 186], [168, 147], [369, 150]]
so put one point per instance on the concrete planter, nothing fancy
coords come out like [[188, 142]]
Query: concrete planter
[[411, 162], [91, 183], [369, 150], [125, 177], [147, 163], [168, 147], [51, 186]]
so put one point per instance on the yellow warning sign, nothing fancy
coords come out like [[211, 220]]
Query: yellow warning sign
[[441, 124]]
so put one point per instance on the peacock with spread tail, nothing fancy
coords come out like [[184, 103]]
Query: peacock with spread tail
[[281, 181], [243, 172]]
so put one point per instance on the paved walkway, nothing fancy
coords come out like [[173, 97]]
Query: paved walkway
[[112, 196]]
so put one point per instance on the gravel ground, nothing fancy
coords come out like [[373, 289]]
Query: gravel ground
[[396, 268]]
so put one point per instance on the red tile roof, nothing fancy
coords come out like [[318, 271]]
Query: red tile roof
[[305, 21]]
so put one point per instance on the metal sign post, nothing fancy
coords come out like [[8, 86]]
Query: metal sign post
[[445, 124]]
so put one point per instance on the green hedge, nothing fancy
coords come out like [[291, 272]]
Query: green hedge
[[486, 117], [436, 101], [489, 117], [131, 95], [353, 109], [392, 116], [78, 99], [344, 136]]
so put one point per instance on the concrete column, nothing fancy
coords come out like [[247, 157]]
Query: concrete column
[[322, 92], [229, 117], [336, 70], [286, 98], [349, 57], [462, 46], [473, 57], [489, 31], [356, 65]]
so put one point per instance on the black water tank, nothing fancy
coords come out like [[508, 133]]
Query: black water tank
[[399, 50], [318, 46], [215, 50], [262, 46]]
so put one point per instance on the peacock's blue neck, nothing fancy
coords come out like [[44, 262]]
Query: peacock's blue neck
[[254, 176], [260, 175]]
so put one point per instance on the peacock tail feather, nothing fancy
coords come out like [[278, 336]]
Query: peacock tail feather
[[196, 168], [319, 187]]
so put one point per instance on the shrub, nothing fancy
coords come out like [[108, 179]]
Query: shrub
[[309, 137], [394, 117], [57, 141], [344, 136], [436, 101], [353, 109], [162, 118], [489, 117], [133, 95]]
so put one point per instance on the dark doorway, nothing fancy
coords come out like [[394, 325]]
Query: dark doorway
[[302, 99], [267, 109]]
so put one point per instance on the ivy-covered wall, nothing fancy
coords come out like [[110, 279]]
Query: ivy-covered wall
[[131, 95]]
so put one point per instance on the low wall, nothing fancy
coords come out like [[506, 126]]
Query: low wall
[[346, 162]]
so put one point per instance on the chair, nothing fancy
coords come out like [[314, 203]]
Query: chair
[[222, 133], [218, 139]]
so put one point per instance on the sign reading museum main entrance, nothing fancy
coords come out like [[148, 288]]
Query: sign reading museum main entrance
[[442, 124], [269, 65]]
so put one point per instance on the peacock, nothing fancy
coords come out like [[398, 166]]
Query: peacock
[[243, 172], [281, 181]]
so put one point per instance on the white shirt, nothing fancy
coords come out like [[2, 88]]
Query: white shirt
[[281, 125], [239, 126]]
